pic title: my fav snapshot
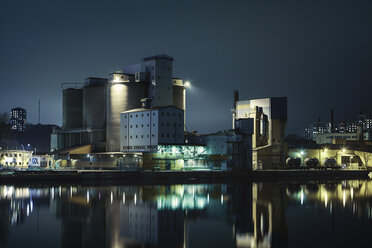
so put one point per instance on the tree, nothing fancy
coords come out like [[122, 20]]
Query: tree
[[4, 126], [365, 156]]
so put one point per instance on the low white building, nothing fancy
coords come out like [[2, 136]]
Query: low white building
[[142, 130]]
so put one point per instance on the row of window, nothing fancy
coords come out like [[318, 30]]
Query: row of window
[[153, 135], [11, 155], [161, 113], [15, 163], [161, 124]]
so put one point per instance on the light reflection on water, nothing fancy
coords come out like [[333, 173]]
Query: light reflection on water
[[219, 215]]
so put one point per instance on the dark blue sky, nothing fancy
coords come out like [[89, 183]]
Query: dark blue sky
[[317, 53]]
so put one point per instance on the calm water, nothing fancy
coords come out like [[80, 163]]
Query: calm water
[[337, 214]]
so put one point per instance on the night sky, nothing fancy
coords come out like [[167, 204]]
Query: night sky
[[317, 53]]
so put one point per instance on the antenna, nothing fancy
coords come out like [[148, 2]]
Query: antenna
[[39, 113]]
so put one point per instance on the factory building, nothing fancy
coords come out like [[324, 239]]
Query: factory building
[[18, 119], [151, 79], [142, 130], [229, 149], [269, 125], [91, 111]]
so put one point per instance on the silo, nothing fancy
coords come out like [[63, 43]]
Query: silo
[[179, 94], [121, 97], [72, 108], [94, 109]]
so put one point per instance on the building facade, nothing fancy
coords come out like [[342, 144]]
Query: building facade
[[269, 125], [142, 130], [18, 119]]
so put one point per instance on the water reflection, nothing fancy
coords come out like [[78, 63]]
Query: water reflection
[[232, 215]]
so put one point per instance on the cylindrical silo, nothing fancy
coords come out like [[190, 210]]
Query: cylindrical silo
[[179, 94], [94, 109], [72, 109], [121, 97]]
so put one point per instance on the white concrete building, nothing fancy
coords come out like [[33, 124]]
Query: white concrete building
[[143, 130]]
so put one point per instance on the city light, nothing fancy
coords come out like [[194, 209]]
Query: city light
[[187, 84]]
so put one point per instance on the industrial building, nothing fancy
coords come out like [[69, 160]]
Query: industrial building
[[142, 130], [91, 111], [229, 149], [269, 124], [18, 119]]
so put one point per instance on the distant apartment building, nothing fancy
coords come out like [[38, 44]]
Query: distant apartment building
[[365, 120], [18, 119], [318, 127], [322, 132]]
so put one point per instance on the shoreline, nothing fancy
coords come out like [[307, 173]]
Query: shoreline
[[175, 177]]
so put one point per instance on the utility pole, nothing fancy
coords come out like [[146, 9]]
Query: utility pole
[[39, 113]]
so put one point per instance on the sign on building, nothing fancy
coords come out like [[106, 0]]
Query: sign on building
[[35, 161]]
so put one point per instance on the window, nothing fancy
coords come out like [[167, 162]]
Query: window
[[142, 125], [148, 136], [142, 136], [167, 124], [148, 114], [167, 135], [130, 116], [136, 136], [125, 126], [136, 115], [162, 113], [153, 114], [131, 136], [130, 126], [162, 124], [167, 113], [136, 126], [125, 117], [148, 125], [153, 124], [142, 115], [125, 137]]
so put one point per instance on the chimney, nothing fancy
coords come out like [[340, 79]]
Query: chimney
[[332, 121], [236, 97]]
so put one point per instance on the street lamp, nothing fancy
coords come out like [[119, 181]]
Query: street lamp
[[302, 154], [187, 84]]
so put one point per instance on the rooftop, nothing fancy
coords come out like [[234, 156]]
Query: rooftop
[[160, 56]]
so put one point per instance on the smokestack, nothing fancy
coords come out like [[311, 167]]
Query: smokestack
[[332, 122], [236, 97]]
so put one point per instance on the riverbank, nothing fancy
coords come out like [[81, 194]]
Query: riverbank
[[172, 177]]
